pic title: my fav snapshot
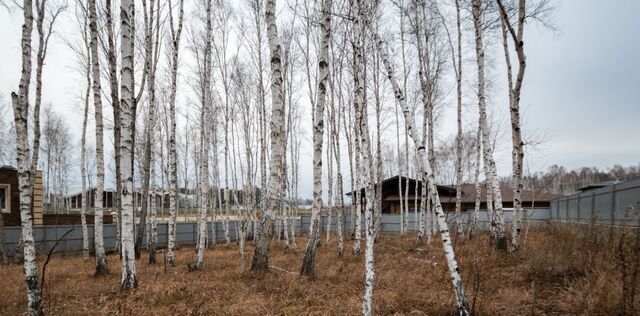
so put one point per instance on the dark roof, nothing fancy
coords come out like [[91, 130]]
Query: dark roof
[[7, 167], [469, 194], [442, 189], [597, 185]]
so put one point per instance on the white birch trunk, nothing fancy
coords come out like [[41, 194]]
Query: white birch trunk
[[83, 166], [101, 258], [461, 301], [501, 239], [261, 257], [476, 209], [514, 107], [128, 279], [363, 137], [458, 70], [173, 165], [20, 102], [308, 263], [206, 95]]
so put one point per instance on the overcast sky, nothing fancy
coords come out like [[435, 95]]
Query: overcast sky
[[581, 92]]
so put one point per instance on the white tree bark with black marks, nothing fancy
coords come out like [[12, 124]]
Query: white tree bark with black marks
[[101, 258], [83, 165], [128, 278], [457, 65], [363, 137], [490, 166], [261, 256], [20, 102], [173, 164], [517, 152], [461, 301], [357, 204], [308, 263], [476, 209], [204, 141], [115, 104]]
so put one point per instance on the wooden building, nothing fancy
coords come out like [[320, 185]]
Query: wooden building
[[392, 186], [530, 198], [74, 201], [10, 197], [391, 197]]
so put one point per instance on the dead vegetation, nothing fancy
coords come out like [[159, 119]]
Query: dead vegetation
[[557, 272]]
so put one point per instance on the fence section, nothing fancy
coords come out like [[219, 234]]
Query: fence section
[[186, 232], [604, 206]]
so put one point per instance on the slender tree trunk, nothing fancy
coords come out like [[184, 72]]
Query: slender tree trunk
[[501, 238], [458, 70], [308, 263], [20, 102], [115, 103], [83, 166], [101, 258], [514, 107], [461, 301], [476, 209], [261, 256], [363, 137], [173, 165], [128, 278]]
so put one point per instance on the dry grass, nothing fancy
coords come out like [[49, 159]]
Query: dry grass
[[557, 273]]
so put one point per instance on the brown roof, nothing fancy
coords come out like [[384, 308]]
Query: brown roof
[[469, 194]]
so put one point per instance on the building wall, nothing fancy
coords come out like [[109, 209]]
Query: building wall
[[10, 177]]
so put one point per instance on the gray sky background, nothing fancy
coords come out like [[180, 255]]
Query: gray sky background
[[581, 92]]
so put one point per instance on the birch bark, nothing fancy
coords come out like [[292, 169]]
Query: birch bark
[[501, 239], [128, 277], [83, 165], [461, 302], [514, 107], [261, 256], [308, 263], [20, 102], [363, 137], [458, 69], [173, 165], [101, 258]]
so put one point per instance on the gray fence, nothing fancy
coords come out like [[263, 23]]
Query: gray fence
[[606, 206], [186, 233]]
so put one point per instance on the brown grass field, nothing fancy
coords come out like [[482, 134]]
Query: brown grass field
[[557, 273]]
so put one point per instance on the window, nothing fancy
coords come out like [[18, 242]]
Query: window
[[5, 198]]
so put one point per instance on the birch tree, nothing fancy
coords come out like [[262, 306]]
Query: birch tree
[[151, 31], [457, 67], [458, 285], [101, 258], [261, 256], [128, 278], [308, 263], [205, 99], [112, 63], [20, 102], [490, 165], [176, 33], [83, 166], [362, 126], [517, 152]]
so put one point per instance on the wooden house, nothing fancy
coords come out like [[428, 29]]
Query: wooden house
[[10, 197]]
